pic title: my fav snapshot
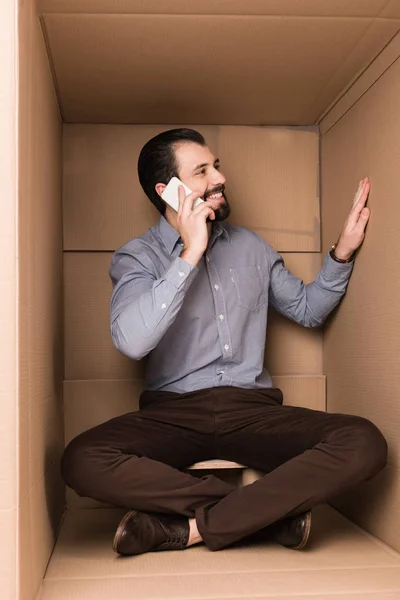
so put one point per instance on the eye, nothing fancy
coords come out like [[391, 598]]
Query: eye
[[202, 172], [217, 166]]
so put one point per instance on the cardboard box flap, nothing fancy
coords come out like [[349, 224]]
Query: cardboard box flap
[[107, 71]]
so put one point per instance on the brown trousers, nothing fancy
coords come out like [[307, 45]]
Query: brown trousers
[[307, 456]]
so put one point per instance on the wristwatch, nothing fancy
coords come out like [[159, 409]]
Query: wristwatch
[[340, 260]]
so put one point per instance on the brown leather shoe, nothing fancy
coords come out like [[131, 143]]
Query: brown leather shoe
[[141, 532], [292, 532]]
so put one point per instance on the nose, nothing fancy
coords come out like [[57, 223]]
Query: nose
[[217, 178]]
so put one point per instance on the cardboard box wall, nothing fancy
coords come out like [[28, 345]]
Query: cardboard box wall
[[361, 343], [8, 299], [40, 493]]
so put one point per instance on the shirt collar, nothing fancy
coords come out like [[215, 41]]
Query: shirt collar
[[170, 236]]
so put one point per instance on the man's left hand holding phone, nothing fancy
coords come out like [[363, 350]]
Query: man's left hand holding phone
[[191, 221]]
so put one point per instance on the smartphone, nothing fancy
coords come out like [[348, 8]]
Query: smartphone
[[171, 196]]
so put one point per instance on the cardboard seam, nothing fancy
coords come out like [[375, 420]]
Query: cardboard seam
[[316, 100], [384, 7], [352, 83], [53, 463], [369, 535], [52, 68], [361, 95], [233, 572], [214, 15], [56, 537]]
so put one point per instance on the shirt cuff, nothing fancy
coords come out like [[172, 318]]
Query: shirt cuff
[[336, 270], [180, 273]]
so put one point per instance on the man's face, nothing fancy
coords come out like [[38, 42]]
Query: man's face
[[200, 171]]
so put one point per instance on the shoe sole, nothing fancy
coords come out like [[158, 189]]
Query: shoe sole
[[120, 530], [306, 533]]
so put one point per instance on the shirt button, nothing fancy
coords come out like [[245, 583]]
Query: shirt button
[[163, 305], [226, 347], [207, 259], [221, 317], [216, 287], [181, 273]]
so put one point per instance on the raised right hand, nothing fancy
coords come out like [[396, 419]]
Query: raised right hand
[[192, 225]]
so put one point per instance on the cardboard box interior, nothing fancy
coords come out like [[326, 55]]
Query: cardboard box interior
[[287, 94]]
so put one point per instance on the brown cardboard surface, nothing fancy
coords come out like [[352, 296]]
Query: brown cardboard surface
[[312, 596], [335, 544], [361, 342], [355, 8], [89, 403], [361, 85], [116, 48], [353, 65], [8, 564], [41, 492], [284, 338], [89, 350], [90, 353], [340, 560], [391, 10], [104, 206], [8, 297], [294, 584], [46, 506], [375, 505], [271, 166], [272, 181]]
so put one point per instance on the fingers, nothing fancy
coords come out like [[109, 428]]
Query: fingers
[[359, 201], [200, 207], [181, 198], [362, 194], [358, 193], [363, 218], [185, 206], [186, 202]]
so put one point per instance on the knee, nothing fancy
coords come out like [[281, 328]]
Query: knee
[[77, 464], [370, 449]]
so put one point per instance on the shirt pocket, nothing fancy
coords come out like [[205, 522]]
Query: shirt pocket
[[249, 286]]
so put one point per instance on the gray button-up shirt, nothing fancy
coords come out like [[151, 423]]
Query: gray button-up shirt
[[205, 326]]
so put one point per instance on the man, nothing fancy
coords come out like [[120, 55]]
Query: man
[[192, 293]]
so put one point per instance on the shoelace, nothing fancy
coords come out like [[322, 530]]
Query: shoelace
[[171, 542]]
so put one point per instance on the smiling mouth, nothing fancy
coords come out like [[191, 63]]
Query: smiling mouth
[[215, 196]]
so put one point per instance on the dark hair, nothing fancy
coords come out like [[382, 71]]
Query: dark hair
[[157, 162]]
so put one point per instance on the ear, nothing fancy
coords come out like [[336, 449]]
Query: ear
[[160, 187]]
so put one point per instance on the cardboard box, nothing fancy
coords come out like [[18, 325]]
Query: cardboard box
[[300, 100]]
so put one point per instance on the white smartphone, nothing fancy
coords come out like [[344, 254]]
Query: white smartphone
[[171, 195]]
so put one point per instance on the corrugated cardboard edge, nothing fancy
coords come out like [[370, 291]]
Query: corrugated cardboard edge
[[360, 85], [304, 8], [8, 300]]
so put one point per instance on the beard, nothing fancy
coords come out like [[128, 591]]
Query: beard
[[224, 209]]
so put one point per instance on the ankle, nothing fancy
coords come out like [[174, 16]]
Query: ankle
[[194, 535]]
